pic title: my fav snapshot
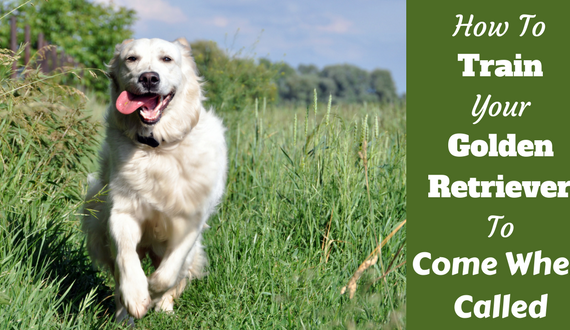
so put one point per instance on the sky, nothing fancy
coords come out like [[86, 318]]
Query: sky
[[367, 33]]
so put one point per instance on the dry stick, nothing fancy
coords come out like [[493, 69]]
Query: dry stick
[[326, 240], [377, 249], [365, 161], [13, 45], [371, 260], [27, 42], [390, 265], [363, 157], [352, 283], [388, 272], [53, 56], [41, 57]]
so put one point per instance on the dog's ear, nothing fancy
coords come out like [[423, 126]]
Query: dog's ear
[[183, 42], [113, 61], [118, 47], [188, 53]]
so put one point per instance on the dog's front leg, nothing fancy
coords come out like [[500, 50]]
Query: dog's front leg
[[132, 284], [184, 235]]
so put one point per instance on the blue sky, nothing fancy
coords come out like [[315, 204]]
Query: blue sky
[[367, 33]]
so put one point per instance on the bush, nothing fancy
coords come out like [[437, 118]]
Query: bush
[[231, 82]]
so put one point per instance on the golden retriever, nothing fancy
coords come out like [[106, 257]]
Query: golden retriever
[[163, 164]]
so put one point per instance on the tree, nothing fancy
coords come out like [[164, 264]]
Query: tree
[[299, 88], [383, 85], [284, 71], [327, 87], [308, 69], [352, 83], [85, 30]]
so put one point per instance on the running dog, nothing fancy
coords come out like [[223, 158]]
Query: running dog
[[162, 172]]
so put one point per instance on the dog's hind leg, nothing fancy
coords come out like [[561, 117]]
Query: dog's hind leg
[[185, 234], [197, 261], [166, 302], [193, 268]]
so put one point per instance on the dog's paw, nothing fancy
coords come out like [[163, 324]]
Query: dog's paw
[[135, 296], [121, 314], [160, 281], [166, 304], [136, 303]]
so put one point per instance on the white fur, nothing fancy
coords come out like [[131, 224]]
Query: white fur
[[157, 200]]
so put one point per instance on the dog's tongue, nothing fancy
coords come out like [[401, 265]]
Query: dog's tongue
[[128, 103]]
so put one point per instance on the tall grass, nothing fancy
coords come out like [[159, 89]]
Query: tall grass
[[311, 193], [46, 141]]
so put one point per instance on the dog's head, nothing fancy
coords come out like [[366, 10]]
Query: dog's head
[[155, 89]]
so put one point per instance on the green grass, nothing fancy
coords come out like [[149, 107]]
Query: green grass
[[296, 221], [45, 144]]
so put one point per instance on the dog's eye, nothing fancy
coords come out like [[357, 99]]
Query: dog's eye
[[131, 58], [166, 59]]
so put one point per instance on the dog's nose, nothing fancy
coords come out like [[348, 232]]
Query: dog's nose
[[149, 80]]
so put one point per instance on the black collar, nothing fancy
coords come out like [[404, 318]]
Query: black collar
[[148, 140]]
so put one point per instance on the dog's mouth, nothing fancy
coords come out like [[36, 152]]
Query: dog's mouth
[[150, 106]]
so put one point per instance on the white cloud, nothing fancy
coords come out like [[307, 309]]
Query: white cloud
[[226, 24], [220, 21], [156, 10], [337, 25]]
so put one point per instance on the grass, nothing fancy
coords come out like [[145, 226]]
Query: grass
[[310, 194], [45, 144]]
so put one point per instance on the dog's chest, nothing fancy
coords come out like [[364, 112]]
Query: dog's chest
[[172, 182]]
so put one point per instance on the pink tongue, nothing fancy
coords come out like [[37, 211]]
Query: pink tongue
[[128, 103]]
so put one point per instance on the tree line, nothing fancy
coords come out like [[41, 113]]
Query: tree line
[[345, 82]]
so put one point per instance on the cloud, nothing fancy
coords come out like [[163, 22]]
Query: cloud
[[156, 10], [223, 23], [220, 21], [337, 24]]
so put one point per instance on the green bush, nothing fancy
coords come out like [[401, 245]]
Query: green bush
[[232, 82]]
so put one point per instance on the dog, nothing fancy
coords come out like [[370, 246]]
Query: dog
[[163, 167]]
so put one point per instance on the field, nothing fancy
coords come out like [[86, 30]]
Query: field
[[311, 193]]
